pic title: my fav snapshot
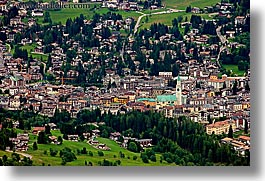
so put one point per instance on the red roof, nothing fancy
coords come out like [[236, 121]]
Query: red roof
[[1, 126], [38, 129], [247, 138]]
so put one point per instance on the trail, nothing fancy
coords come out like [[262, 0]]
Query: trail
[[169, 11], [23, 154], [223, 41]]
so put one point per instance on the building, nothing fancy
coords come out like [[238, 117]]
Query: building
[[147, 101], [36, 130], [144, 142], [37, 12], [178, 92], [220, 127], [115, 136], [165, 100]]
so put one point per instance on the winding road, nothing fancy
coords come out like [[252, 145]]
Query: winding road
[[169, 11], [223, 41]]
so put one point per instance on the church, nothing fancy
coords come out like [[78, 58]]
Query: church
[[170, 99]]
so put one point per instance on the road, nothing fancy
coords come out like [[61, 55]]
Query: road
[[221, 37], [1, 59], [122, 51], [223, 41], [23, 154], [169, 11]]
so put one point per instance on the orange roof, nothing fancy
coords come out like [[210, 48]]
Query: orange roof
[[247, 138], [39, 128], [219, 124]]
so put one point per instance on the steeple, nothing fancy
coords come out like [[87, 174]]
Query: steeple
[[178, 91]]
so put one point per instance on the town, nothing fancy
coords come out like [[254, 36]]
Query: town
[[114, 64]]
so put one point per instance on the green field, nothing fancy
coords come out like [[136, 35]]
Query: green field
[[39, 158], [234, 70], [182, 4], [63, 14], [163, 19], [30, 49], [2, 153], [167, 18]]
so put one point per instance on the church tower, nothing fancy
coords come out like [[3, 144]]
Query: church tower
[[178, 92]]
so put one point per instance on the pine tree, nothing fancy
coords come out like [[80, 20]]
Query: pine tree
[[35, 146], [246, 127], [230, 132]]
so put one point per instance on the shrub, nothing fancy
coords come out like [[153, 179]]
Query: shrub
[[100, 153]]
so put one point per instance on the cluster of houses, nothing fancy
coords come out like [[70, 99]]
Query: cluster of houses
[[20, 143], [240, 144], [144, 143]]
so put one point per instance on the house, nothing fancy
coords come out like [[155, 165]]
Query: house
[[36, 130], [53, 140], [226, 140], [144, 142], [37, 12], [240, 20], [20, 143], [195, 10], [72, 137], [95, 132], [240, 145], [103, 147], [53, 126], [22, 12], [1, 126], [115, 136], [86, 135], [93, 142], [244, 139], [3, 5]]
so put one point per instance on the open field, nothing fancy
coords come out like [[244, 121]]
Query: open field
[[167, 18], [2, 153], [234, 69], [30, 49], [39, 158], [63, 14], [163, 19], [182, 4]]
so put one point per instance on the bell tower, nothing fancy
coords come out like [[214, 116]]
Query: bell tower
[[178, 92]]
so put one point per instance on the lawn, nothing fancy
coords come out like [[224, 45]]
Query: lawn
[[234, 69], [148, 11], [182, 4], [63, 14], [30, 49], [125, 14], [167, 18], [2, 153], [163, 18]]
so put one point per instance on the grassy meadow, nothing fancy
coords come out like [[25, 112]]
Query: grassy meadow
[[234, 69], [182, 4], [167, 18], [39, 156]]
